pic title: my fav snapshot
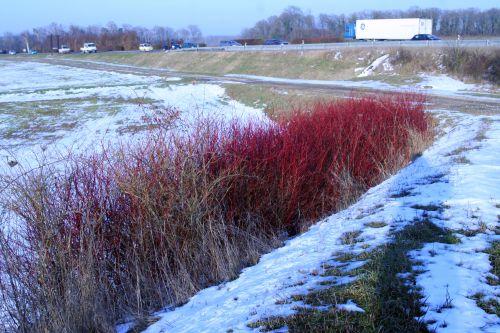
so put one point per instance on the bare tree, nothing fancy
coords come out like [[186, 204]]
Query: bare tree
[[195, 34]]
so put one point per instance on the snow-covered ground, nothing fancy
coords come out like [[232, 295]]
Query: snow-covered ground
[[57, 108], [469, 194], [445, 83], [459, 271]]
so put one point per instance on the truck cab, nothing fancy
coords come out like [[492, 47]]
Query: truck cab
[[350, 31]]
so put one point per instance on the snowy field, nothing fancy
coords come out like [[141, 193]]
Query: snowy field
[[50, 109]]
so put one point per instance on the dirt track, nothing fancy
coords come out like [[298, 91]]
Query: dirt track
[[459, 103]]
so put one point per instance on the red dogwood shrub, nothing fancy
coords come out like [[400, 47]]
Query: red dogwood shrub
[[140, 226]]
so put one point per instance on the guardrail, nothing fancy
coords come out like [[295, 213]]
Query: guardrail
[[353, 44], [493, 43]]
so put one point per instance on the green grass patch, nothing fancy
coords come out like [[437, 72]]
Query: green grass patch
[[392, 79], [350, 237], [489, 305], [494, 252], [376, 224], [428, 208], [275, 102]]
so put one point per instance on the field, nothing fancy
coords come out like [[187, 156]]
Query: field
[[58, 108], [315, 192]]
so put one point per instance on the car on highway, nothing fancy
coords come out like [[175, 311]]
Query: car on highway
[[33, 52], [229, 43], [64, 49], [12, 52], [146, 47], [176, 46], [425, 37], [3, 52], [189, 45], [275, 42], [89, 48]]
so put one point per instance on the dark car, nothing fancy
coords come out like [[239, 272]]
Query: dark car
[[275, 42], [229, 43], [425, 37], [3, 52], [189, 45], [176, 46]]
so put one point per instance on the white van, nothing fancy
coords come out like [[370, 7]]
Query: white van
[[146, 47], [64, 49], [89, 48]]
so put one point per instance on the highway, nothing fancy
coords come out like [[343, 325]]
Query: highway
[[476, 43], [473, 43]]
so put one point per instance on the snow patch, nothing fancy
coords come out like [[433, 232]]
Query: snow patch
[[350, 306], [444, 83], [387, 66], [30, 76], [369, 70]]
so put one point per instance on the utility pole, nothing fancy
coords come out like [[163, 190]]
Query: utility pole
[[51, 43]]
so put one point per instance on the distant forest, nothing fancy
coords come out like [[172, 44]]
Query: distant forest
[[109, 38], [291, 24]]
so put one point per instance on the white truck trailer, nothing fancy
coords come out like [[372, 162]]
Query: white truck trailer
[[392, 29]]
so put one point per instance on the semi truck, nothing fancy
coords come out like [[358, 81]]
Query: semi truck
[[388, 29]]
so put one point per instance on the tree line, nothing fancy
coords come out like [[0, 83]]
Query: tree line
[[110, 37], [293, 23]]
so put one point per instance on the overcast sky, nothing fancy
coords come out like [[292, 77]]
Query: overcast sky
[[214, 17]]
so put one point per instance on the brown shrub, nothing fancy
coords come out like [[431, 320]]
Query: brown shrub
[[479, 64], [403, 56]]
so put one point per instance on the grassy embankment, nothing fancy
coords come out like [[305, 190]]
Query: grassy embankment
[[475, 65]]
